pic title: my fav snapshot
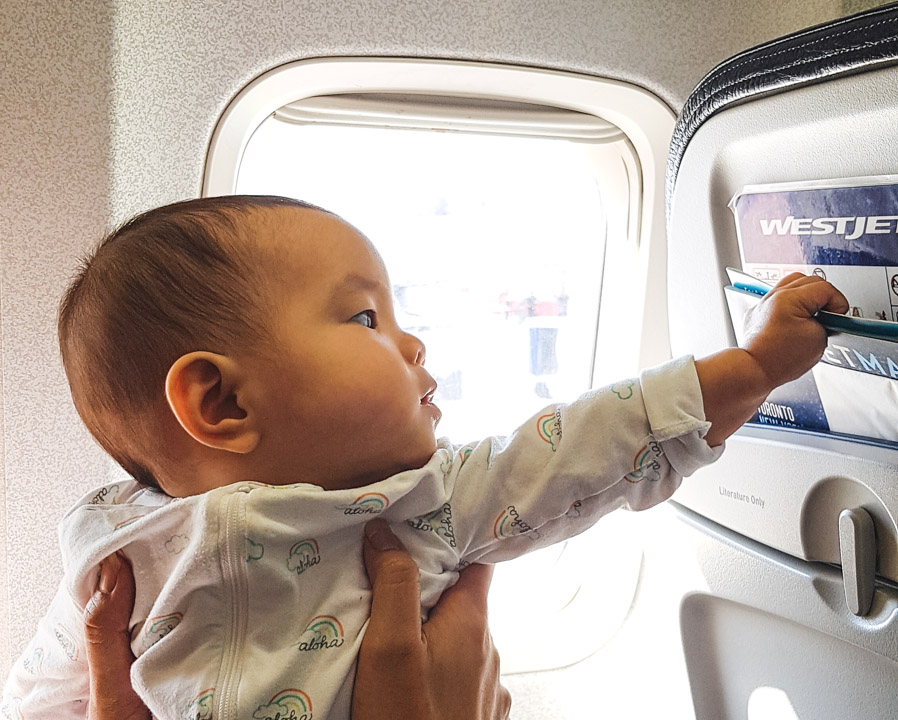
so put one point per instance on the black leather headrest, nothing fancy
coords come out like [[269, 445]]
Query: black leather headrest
[[854, 44]]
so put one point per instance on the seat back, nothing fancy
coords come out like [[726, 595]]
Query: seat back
[[807, 121]]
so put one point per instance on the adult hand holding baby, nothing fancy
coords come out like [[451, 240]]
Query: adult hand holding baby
[[109, 656], [444, 669]]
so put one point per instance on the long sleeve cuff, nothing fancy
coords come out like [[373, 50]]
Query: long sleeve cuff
[[676, 414]]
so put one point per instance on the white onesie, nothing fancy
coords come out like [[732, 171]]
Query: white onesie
[[252, 600]]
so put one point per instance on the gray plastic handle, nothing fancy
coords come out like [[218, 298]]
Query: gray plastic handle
[[857, 544]]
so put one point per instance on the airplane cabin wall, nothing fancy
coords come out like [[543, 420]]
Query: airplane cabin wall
[[107, 108]]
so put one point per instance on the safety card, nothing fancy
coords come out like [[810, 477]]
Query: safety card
[[845, 231]]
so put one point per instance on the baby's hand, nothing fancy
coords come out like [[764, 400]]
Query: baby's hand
[[783, 341], [781, 333]]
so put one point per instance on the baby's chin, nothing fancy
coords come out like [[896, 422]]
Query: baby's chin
[[379, 471], [417, 460]]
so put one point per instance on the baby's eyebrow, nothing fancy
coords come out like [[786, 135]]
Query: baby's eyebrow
[[353, 282]]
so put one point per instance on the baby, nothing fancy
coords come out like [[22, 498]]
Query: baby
[[240, 358]]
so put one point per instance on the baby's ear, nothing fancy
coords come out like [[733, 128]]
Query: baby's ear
[[205, 392]]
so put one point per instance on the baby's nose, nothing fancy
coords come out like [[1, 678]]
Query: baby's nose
[[414, 349]]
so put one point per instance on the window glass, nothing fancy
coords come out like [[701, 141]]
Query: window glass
[[494, 245]]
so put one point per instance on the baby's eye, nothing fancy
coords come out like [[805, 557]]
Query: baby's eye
[[368, 318]]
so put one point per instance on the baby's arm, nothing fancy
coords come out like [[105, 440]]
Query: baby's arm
[[627, 445], [784, 341], [630, 444]]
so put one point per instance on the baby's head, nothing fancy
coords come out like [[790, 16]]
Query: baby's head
[[245, 338]]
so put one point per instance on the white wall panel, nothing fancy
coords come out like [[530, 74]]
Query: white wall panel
[[55, 100]]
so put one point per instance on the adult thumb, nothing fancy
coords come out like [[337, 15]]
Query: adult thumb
[[108, 611], [109, 657], [396, 594]]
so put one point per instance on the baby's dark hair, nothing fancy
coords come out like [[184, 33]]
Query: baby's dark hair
[[175, 279]]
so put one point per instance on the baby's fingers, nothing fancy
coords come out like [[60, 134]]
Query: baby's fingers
[[822, 296], [812, 293], [796, 279]]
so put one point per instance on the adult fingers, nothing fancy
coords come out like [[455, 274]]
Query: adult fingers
[[503, 703], [497, 706], [395, 622], [475, 581], [108, 612], [471, 592], [392, 673], [460, 647], [106, 623]]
